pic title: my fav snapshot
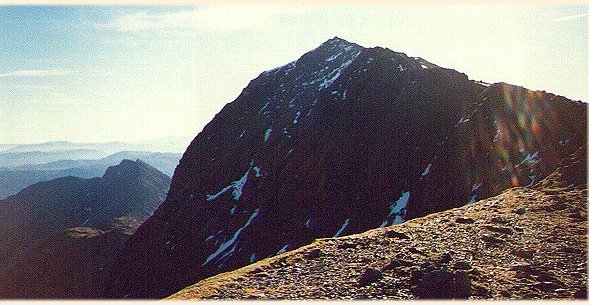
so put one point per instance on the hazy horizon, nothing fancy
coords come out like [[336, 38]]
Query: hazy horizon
[[140, 73]]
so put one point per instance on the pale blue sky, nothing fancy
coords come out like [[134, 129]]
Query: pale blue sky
[[106, 73]]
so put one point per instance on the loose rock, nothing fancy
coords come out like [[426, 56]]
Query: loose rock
[[464, 220], [462, 265], [313, 254], [395, 234], [369, 276], [492, 239]]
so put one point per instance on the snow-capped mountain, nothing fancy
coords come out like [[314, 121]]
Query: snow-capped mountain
[[342, 140]]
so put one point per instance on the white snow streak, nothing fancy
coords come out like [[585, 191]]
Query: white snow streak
[[333, 76], [533, 159], [426, 171], [472, 199], [237, 186], [257, 171], [224, 246], [267, 134], [282, 250], [476, 186], [344, 225], [290, 66], [399, 205], [296, 119]]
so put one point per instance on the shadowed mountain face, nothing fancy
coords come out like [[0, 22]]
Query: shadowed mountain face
[[526, 243], [343, 140], [34, 245]]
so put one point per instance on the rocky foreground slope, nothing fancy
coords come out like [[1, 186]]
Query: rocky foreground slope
[[525, 243]]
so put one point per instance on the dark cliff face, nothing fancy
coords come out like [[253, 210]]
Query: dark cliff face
[[343, 140], [32, 218]]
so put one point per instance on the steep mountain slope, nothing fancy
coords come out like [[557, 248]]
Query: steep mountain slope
[[36, 217], [526, 243], [342, 140], [73, 263]]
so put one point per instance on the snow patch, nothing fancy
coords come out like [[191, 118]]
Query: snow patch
[[242, 133], [334, 75], [459, 121], [252, 258], [224, 246], [401, 68], [472, 199], [476, 186], [530, 159], [267, 134], [282, 250], [343, 227], [286, 132], [289, 66], [257, 171], [296, 119], [308, 223], [213, 197], [533, 178], [264, 107], [426, 171], [398, 206], [334, 56], [496, 137], [209, 238], [384, 224], [237, 186]]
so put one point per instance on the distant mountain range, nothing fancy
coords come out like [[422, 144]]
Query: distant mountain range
[[167, 144], [13, 180], [58, 238], [340, 141]]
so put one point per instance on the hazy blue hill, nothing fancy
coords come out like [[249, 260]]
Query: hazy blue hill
[[13, 180], [14, 159]]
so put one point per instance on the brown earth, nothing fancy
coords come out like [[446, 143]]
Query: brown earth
[[526, 243]]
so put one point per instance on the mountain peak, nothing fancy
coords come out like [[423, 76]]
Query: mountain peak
[[336, 39], [129, 168]]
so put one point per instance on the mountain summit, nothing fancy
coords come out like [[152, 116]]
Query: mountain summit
[[340, 141]]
